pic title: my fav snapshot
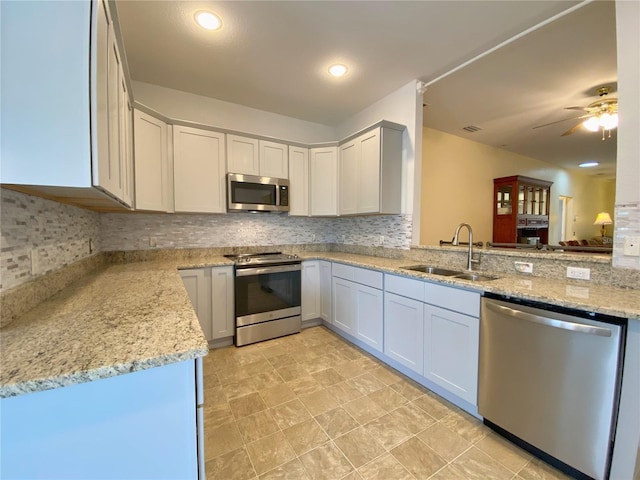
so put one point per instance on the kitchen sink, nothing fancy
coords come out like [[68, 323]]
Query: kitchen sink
[[432, 270], [475, 277]]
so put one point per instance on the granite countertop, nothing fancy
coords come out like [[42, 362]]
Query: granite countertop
[[128, 317], [576, 294], [116, 320]]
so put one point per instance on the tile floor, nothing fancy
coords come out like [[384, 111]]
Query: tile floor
[[312, 406]]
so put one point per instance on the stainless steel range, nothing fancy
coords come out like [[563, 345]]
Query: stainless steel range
[[267, 296]]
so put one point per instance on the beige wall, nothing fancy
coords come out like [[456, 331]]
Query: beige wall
[[457, 186]]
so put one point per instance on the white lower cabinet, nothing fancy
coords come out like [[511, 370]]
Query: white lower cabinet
[[358, 307], [344, 305], [369, 314], [403, 331], [440, 344], [210, 290], [222, 302], [451, 342], [310, 290], [326, 300]]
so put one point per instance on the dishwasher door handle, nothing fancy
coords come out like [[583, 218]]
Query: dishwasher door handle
[[550, 322]]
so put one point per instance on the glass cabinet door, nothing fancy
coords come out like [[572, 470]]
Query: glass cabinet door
[[504, 200]]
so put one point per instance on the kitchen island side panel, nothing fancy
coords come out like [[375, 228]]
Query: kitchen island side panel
[[139, 425]]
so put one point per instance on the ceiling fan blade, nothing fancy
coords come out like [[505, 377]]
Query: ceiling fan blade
[[577, 108], [560, 121], [571, 130]]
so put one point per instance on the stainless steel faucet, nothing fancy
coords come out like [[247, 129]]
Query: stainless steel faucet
[[470, 259]]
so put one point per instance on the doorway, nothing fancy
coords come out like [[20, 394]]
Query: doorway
[[566, 220]]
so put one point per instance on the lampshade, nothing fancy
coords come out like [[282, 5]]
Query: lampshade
[[603, 218]]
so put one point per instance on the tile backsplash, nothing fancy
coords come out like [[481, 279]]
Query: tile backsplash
[[39, 236], [627, 223], [150, 231]]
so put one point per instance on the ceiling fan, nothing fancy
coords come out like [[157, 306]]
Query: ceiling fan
[[601, 114]]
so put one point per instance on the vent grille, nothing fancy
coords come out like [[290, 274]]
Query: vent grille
[[472, 129]]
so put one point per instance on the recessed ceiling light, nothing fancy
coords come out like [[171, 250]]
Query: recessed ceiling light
[[588, 164], [208, 20], [338, 70]]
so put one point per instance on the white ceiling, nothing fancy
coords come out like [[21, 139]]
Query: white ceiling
[[530, 82], [273, 55]]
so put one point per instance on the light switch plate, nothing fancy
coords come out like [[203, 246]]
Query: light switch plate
[[631, 246]]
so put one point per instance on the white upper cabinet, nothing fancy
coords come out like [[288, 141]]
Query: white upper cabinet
[[68, 96], [371, 173], [323, 181], [274, 159], [349, 167], [151, 163], [242, 155], [198, 170], [298, 181], [257, 157]]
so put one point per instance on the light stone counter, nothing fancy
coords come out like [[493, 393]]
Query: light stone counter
[[116, 320], [581, 295], [133, 316]]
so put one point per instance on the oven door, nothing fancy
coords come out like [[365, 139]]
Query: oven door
[[267, 293]]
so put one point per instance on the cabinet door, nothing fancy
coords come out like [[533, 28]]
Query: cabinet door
[[310, 290], [111, 171], [298, 181], [151, 163], [101, 163], [199, 170], [222, 302], [325, 291], [368, 178], [404, 331], [242, 155], [344, 305], [349, 177], [451, 351], [195, 284], [323, 181], [126, 141], [369, 311], [274, 159]]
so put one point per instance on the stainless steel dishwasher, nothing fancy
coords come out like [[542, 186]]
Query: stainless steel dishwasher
[[549, 380]]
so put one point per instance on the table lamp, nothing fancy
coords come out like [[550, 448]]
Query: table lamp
[[603, 219]]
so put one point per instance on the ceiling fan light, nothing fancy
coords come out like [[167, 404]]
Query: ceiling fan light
[[609, 121], [592, 124]]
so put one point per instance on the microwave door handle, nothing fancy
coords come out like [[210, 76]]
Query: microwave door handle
[[550, 322]]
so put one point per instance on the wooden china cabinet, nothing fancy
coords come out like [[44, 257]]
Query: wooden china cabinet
[[521, 210]]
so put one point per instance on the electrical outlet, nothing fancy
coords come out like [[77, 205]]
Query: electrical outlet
[[579, 273], [381, 240], [631, 246], [343, 238], [313, 237], [153, 242], [524, 267]]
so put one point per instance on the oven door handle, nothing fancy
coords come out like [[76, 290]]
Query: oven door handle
[[246, 272]]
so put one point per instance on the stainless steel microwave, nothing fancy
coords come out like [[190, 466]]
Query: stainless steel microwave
[[248, 193]]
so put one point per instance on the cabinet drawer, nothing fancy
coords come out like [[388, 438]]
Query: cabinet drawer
[[451, 298], [358, 275], [406, 287]]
